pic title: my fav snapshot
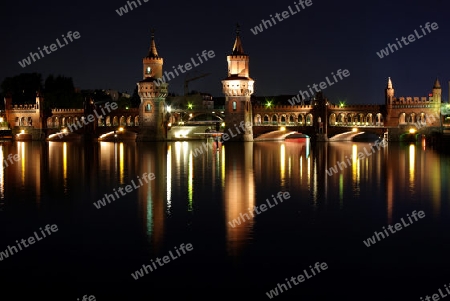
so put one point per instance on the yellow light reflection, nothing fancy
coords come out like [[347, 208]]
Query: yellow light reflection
[[169, 178], [178, 152], [65, 166], [301, 167], [121, 163], [308, 171], [341, 191], [185, 146], [190, 181], [222, 166], [22, 152], [355, 165], [2, 173], [282, 163], [289, 167], [412, 150]]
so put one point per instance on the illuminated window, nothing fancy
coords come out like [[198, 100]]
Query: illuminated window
[[148, 70], [234, 106], [148, 107]]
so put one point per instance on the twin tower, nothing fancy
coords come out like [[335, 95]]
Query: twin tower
[[237, 87]]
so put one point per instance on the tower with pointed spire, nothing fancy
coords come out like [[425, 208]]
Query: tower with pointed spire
[[389, 92], [437, 91], [152, 92], [238, 87]]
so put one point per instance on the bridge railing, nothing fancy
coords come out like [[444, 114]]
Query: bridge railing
[[353, 124]]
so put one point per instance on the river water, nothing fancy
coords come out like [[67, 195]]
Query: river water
[[193, 199]]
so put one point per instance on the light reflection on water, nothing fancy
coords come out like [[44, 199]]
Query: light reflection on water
[[234, 177]]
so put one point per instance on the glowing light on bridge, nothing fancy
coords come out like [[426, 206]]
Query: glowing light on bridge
[[412, 131], [107, 134]]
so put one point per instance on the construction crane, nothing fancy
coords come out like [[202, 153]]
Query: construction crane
[[187, 80]]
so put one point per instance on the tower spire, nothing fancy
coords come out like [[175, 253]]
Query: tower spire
[[437, 84], [237, 48], [153, 53], [389, 84]]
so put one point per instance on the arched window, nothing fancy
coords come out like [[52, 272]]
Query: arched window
[[148, 107], [292, 120], [234, 106], [332, 119], [309, 120]]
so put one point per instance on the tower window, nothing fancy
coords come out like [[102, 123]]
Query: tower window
[[234, 106], [148, 107], [148, 70]]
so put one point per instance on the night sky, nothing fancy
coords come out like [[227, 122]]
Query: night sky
[[298, 51]]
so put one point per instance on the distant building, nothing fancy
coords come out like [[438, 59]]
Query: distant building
[[114, 94]]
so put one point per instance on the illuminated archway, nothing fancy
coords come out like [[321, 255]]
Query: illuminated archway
[[122, 121], [402, 118], [292, 119], [274, 119], [309, 119], [332, 119], [258, 119]]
